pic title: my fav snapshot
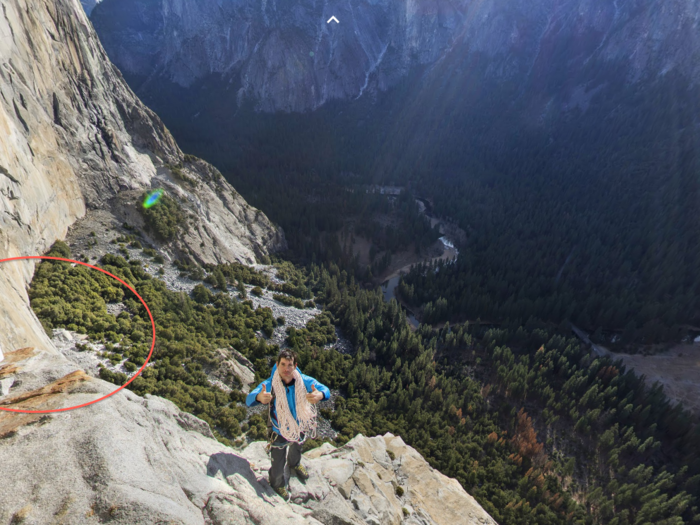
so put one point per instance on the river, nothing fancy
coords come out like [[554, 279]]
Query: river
[[449, 252], [389, 291]]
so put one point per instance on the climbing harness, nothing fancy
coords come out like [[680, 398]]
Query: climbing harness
[[271, 443]]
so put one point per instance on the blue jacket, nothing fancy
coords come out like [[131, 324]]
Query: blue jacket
[[291, 397]]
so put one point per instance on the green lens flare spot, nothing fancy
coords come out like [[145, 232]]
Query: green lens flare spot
[[152, 198], [311, 53]]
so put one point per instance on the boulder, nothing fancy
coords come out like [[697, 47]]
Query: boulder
[[232, 367]]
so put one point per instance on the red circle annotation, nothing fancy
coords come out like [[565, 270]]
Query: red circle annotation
[[138, 372]]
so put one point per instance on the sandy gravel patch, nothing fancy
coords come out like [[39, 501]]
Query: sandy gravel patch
[[678, 370]]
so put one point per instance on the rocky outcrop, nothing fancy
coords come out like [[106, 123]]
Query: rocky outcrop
[[284, 56], [125, 460], [136, 460], [378, 481], [232, 368]]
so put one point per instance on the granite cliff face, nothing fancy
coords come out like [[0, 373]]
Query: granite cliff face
[[284, 56], [74, 139], [88, 5]]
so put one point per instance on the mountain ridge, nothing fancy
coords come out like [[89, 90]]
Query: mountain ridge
[[292, 60]]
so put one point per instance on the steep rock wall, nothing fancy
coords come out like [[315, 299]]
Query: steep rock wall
[[74, 137]]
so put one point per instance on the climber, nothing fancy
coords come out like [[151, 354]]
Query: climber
[[292, 416]]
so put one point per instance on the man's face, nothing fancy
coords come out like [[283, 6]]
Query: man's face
[[286, 368]]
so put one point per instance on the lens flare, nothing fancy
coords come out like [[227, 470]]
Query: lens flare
[[152, 198]]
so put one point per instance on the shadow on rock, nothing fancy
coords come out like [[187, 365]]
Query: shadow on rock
[[230, 464]]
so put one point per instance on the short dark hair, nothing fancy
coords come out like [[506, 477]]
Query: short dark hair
[[287, 354]]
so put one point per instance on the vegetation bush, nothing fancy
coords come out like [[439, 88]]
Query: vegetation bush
[[179, 174], [202, 295], [289, 301], [165, 219]]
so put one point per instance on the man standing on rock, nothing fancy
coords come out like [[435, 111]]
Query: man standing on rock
[[293, 415]]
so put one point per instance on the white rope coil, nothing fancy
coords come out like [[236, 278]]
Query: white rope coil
[[306, 412]]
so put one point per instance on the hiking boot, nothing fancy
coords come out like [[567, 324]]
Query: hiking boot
[[301, 472], [283, 492]]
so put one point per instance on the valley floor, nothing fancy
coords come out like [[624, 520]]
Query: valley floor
[[675, 369]]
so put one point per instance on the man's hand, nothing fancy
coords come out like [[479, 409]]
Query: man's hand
[[264, 397], [314, 396]]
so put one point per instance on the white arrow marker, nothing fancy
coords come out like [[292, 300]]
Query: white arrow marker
[[332, 18]]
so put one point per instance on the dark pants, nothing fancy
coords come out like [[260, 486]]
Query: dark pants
[[282, 455]]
